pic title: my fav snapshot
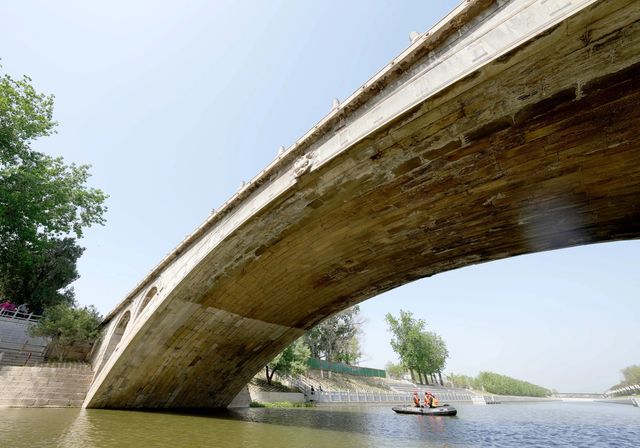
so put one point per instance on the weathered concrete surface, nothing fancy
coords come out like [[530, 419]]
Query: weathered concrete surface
[[47, 386], [512, 127], [242, 400]]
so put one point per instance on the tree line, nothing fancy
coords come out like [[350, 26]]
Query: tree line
[[499, 384], [336, 339]]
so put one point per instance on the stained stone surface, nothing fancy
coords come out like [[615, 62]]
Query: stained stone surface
[[510, 128]]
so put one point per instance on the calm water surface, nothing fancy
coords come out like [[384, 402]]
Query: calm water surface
[[592, 425]]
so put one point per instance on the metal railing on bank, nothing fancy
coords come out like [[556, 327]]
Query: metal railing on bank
[[316, 394], [378, 397], [357, 397], [17, 348], [20, 315]]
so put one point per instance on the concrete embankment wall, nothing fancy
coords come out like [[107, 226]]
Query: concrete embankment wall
[[490, 399], [241, 400], [275, 397], [44, 386]]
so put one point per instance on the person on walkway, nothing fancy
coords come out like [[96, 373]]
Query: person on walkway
[[24, 308], [7, 306]]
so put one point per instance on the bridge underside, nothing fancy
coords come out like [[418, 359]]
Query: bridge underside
[[536, 151]]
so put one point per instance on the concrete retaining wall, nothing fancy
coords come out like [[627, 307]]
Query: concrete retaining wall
[[274, 397], [44, 386], [242, 400]]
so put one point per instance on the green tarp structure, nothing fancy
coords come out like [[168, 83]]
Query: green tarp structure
[[338, 367]]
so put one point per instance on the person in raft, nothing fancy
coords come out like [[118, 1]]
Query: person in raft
[[430, 400], [416, 399]]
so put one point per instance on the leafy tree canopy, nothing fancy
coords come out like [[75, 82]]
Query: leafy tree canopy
[[631, 375], [67, 324], [396, 371], [291, 361], [437, 352], [420, 351], [43, 201], [336, 338], [24, 116], [39, 276]]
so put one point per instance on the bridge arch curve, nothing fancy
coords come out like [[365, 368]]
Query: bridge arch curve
[[113, 338], [151, 294], [537, 149]]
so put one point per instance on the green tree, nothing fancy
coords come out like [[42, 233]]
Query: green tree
[[292, 361], [504, 385], [463, 381], [631, 375], [437, 354], [396, 371], [420, 351], [40, 276], [336, 338], [408, 342], [43, 201], [351, 353], [66, 325], [24, 116]]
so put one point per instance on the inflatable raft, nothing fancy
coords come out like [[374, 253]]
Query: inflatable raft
[[440, 410]]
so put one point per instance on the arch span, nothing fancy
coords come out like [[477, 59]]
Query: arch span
[[535, 147], [151, 293], [114, 338]]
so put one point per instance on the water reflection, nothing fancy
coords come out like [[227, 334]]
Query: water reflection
[[550, 424]]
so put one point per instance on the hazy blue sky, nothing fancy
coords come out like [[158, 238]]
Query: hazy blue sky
[[175, 103]]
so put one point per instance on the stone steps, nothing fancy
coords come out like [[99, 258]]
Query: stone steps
[[12, 358]]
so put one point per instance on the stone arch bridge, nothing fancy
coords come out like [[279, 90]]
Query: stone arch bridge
[[510, 127]]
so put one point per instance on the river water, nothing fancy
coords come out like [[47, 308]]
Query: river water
[[554, 424]]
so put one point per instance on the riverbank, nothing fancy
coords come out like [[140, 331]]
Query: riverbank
[[633, 401], [340, 389]]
